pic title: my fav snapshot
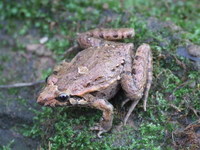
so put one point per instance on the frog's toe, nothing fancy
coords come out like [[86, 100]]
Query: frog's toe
[[133, 105], [102, 127], [96, 127], [124, 102], [99, 134]]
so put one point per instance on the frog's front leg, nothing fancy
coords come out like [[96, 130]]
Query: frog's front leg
[[137, 76], [106, 121]]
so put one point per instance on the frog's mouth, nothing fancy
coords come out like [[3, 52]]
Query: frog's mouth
[[77, 100], [65, 100]]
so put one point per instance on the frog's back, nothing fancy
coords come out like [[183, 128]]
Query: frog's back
[[93, 69]]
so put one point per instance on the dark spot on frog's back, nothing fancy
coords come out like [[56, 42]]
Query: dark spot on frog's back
[[101, 35], [113, 69], [115, 35], [87, 84], [138, 57], [134, 71], [98, 78]]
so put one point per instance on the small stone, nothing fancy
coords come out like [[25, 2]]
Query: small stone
[[183, 51], [194, 50], [197, 65], [172, 26], [43, 40], [32, 47], [38, 49]]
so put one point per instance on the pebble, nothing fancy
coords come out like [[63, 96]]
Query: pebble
[[43, 40], [194, 50]]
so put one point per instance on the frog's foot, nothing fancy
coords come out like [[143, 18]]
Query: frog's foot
[[106, 121], [97, 127], [130, 111], [102, 127], [124, 102]]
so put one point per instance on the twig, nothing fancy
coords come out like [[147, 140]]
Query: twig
[[181, 85], [49, 145], [175, 107], [16, 85], [193, 124], [173, 140], [194, 111], [180, 63]]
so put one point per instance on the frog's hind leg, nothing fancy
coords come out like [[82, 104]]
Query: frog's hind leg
[[136, 76], [125, 101], [111, 34], [98, 37], [134, 103], [149, 80]]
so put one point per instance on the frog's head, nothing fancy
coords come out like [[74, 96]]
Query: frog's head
[[51, 96]]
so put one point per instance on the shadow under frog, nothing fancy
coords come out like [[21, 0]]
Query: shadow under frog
[[95, 74]]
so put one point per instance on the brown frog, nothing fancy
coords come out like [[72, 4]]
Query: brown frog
[[95, 75]]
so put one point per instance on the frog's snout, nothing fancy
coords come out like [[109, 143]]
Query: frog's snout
[[45, 98], [41, 101]]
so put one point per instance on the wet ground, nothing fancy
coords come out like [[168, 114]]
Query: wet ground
[[18, 104]]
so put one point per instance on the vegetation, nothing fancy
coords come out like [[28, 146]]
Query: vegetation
[[172, 97]]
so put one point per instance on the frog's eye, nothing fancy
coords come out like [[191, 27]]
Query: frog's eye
[[62, 97]]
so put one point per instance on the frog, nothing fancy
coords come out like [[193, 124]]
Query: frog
[[96, 74]]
